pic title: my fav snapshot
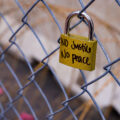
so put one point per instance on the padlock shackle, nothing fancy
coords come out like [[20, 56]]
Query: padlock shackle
[[85, 17]]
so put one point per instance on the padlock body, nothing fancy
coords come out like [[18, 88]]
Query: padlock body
[[78, 52]]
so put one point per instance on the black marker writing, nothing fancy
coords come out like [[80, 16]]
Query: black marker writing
[[84, 60], [64, 42], [65, 54], [82, 47]]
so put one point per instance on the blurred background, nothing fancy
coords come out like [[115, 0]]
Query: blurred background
[[106, 18]]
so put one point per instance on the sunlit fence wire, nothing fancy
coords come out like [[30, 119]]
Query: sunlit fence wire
[[32, 77]]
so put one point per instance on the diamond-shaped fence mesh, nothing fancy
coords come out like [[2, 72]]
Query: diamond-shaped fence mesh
[[11, 105]]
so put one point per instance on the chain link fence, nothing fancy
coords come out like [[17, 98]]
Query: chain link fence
[[32, 77]]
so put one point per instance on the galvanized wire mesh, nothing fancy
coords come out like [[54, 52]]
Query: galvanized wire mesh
[[32, 77]]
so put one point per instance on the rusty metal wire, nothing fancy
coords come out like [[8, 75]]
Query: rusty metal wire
[[32, 77]]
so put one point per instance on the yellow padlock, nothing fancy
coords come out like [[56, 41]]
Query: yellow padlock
[[77, 51]]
